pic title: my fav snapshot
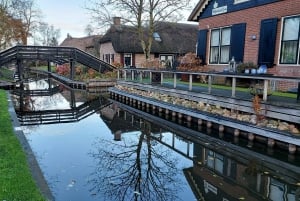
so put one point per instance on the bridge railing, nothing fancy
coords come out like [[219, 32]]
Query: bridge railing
[[55, 54]]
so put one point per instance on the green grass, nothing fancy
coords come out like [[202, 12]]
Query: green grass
[[6, 74], [16, 182], [44, 68], [243, 89]]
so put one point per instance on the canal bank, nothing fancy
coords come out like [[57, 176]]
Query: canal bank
[[20, 177], [235, 115], [77, 158]]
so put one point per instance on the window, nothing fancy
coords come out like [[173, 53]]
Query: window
[[289, 53], [107, 58], [112, 58], [166, 61], [157, 37], [127, 60], [220, 45], [232, 44], [215, 161]]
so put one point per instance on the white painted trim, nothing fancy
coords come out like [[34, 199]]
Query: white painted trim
[[280, 43], [240, 1], [209, 37]]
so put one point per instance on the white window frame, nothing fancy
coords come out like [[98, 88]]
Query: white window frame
[[128, 55], [219, 46], [166, 57], [281, 42]]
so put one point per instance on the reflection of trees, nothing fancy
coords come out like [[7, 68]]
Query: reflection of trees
[[135, 170]]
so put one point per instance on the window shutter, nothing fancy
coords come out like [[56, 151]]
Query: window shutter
[[238, 32], [267, 42], [201, 46]]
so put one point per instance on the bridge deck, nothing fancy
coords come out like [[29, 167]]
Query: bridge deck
[[59, 55]]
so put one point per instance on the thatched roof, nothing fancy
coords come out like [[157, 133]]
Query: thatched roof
[[83, 43], [175, 38]]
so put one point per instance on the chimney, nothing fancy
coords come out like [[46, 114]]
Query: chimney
[[117, 21]]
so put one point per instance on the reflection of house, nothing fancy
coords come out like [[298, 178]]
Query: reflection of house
[[88, 44], [217, 177], [264, 32], [220, 171], [121, 44], [119, 121]]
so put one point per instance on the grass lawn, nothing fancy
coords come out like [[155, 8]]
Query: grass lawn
[[44, 68], [16, 182], [274, 93], [6, 74]]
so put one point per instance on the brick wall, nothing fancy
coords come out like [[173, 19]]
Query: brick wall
[[107, 48], [252, 17]]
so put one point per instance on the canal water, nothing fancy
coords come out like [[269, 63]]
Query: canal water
[[92, 148]]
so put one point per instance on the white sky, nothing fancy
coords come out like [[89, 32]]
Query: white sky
[[69, 16]]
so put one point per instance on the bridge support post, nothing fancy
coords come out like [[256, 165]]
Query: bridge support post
[[20, 69], [72, 69], [49, 66], [73, 101]]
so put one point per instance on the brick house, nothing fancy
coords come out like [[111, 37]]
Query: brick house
[[120, 45], [264, 32]]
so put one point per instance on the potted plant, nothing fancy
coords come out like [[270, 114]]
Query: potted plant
[[246, 67]]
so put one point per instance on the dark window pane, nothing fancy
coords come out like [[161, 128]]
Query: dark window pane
[[289, 52]]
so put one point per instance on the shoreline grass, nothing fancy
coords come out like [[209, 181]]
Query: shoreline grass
[[16, 182]]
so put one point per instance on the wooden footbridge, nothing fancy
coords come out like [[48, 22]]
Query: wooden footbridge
[[19, 55]]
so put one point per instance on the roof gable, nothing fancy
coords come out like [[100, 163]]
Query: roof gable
[[81, 43], [209, 8], [125, 38]]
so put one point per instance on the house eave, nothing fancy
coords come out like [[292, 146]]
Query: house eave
[[198, 10]]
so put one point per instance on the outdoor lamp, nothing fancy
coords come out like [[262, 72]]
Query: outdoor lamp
[[232, 65]]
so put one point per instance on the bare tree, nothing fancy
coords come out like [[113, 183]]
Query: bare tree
[[20, 20], [140, 170], [89, 30], [28, 13], [47, 35], [142, 14], [11, 29]]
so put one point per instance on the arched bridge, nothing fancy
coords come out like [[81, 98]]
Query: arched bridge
[[58, 55]]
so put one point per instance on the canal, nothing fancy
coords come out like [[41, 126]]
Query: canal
[[92, 148]]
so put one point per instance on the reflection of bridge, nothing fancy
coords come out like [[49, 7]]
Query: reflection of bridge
[[62, 115], [221, 170], [41, 92], [59, 55], [53, 89]]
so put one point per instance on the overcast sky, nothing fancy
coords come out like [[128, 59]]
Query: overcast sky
[[68, 15]]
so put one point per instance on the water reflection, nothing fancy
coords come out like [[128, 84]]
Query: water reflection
[[135, 168], [222, 171], [115, 152], [46, 102]]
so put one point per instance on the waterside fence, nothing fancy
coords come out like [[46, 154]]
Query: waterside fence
[[199, 87]]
